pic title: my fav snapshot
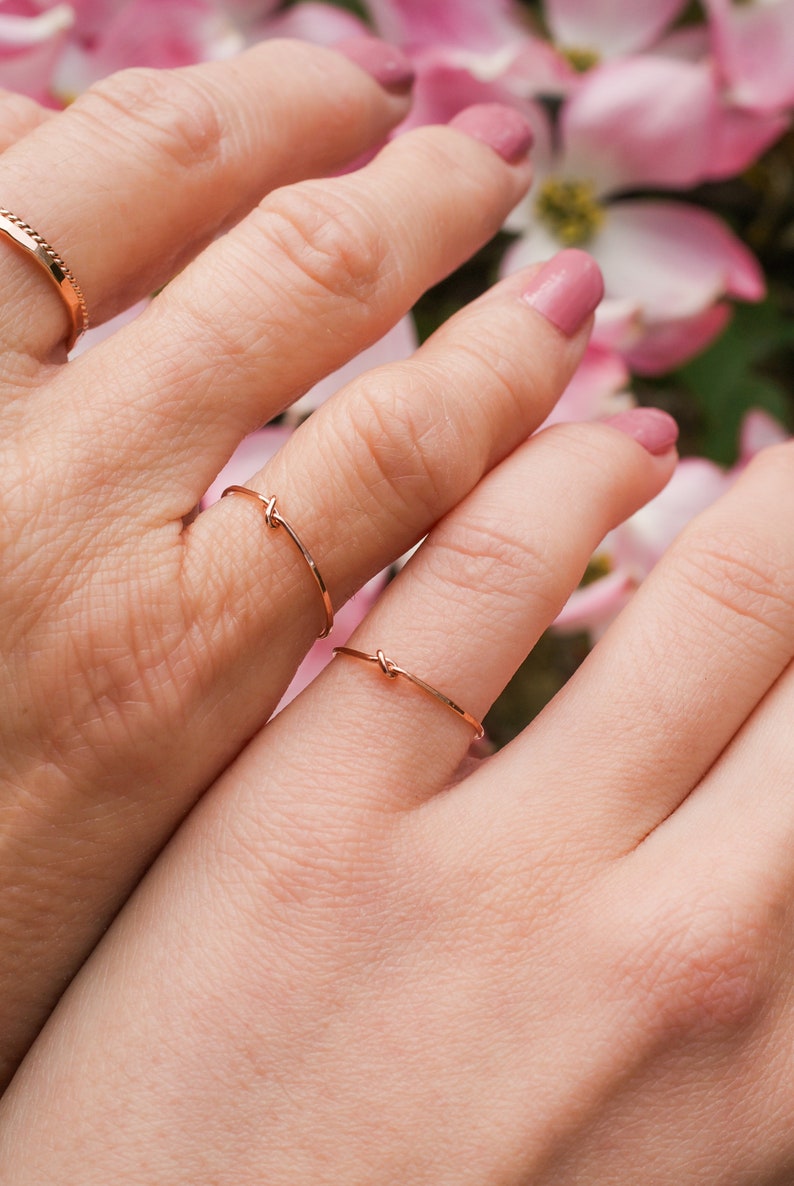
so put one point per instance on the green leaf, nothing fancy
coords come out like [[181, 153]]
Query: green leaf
[[745, 368]]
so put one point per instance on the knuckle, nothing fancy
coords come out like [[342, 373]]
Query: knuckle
[[739, 574], [165, 110], [699, 966], [395, 447], [474, 553], [330, 240]]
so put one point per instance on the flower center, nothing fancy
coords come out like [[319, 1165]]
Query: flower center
[[580, 59], [570, 210]]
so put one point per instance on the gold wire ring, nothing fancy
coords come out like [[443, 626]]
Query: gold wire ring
[[275, 519], [24, 236], [391, 670]]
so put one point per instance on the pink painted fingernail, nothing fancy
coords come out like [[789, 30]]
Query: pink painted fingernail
[[566, 290], [502, 128], [385, 63], [654, 429]]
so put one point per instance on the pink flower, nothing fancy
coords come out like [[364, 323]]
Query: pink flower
[[483, 26], [637, 123], [31, 39], [348, 619], [598, 388], [629, 553], [597, 30], [143, 33], [322, 24], [754, 49], [109, 35]]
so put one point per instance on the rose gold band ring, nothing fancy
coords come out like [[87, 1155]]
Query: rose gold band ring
[[391, 670], [275, 519], [24, 236]]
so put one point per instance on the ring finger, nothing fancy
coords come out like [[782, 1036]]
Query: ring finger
[[471, 603]]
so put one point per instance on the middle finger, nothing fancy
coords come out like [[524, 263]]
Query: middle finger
[[316, 273]]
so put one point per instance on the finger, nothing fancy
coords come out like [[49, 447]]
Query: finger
[[375, 467], [149, 165], [310, 278], [19, 115], [469, 606], [686, 663], [191, 637], [741, 812]]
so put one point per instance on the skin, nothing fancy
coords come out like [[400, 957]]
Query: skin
[[365, 957], [139, 655]]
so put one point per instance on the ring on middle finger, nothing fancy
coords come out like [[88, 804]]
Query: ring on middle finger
[[275, 519]]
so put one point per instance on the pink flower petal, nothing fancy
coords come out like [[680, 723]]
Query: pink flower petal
[[759, 430], [642, 121], [100, 333], [661, 345], [596, 390], [150, 33], [347, 619], [741, 135], [754, 50], [673, 260], [537, 68], [399, 343], [321, 24], [638, 543], [483, 25], [634, 548], [30, 44], [445, 85], [247, 11], [614, 29], [592, 607], [249, 457], [691, 43]]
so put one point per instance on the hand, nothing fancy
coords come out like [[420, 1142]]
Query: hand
[[139, 654], [569, 963]]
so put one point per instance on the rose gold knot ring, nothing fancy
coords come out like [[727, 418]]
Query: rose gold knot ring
[[24, 236], [274, 519], [391, 670]]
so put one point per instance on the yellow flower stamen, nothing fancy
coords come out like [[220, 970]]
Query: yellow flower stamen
[[581, 60], [570, 210]]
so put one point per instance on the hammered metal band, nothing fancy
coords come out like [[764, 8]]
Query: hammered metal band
[[24, 236], [391, 670], [275, 519]]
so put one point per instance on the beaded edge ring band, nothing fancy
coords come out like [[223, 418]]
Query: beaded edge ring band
[[275, 519], [391, 670], [24, 236]]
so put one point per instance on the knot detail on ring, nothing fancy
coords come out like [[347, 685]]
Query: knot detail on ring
[[391, 670], [274, 519], [388, 668], [23, 235]]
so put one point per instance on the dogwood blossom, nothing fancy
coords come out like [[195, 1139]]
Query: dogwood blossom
[[633, 124], [753, 47]]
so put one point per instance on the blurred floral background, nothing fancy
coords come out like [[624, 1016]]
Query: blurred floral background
[[663, 147]]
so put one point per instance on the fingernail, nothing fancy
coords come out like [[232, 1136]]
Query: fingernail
[[654, 429], [385, 63], [566, 290], [502, 128]]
